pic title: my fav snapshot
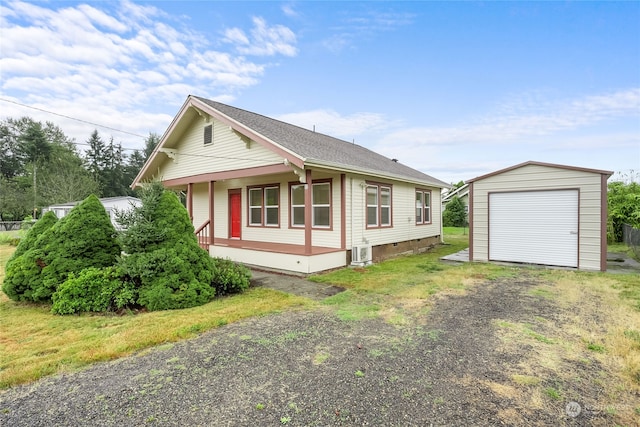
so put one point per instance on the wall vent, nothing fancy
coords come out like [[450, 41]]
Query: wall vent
[[208, 134]]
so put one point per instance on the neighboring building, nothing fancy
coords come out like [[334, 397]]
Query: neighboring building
[[540, 213], [111, 205], [462, 192], [274, 195]]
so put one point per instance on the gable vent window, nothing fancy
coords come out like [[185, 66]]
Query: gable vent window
[[208, 134]]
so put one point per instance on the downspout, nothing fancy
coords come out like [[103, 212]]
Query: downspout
[[308, 246], [351, 208], [441, 220]]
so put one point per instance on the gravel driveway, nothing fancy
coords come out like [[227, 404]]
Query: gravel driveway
[[311, 368]]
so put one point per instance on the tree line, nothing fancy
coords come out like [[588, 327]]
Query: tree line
[[41, 166]]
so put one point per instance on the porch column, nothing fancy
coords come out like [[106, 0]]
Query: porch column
[[343, 211], [307, 213], [190, 200], [211, 210]]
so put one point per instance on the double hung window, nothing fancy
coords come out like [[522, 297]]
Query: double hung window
[[378, 200], [320, 205], [264, 206], [423, 207]]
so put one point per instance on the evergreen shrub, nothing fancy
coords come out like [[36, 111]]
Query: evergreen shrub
[[82, 239], [94, 290], [230, 277], [163, 258]]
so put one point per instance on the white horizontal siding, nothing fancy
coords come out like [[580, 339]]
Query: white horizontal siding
[[538, 177], [227, 152], [403, 213]]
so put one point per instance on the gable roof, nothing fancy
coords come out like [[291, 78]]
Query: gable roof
[[310, 148], [461, 191], [549, 165], [106, 202]]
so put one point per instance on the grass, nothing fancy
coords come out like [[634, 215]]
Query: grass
[[598, 329], [623, 248], [35, 343], [7, 236], [595, 332], [399, 288]]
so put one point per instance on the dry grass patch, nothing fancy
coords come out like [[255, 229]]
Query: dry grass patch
[[587, 351]]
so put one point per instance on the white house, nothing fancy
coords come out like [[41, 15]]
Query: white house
[[267, 193], [111, 205], [462, 192]]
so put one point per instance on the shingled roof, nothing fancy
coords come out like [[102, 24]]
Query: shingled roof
[[319, 148]]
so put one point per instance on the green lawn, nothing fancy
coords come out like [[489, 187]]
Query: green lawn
[[35, 343]]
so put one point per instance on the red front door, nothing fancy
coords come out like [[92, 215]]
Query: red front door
[[235, 215]]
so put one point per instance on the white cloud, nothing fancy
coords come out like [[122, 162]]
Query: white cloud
[[515, 121], [264, 40], [289, 10], [108, 63], [332, 123], [364, 25]]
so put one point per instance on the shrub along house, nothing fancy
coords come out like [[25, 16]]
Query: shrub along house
[[271, 194]]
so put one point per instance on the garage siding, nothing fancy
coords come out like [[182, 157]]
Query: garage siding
[[533, 176]]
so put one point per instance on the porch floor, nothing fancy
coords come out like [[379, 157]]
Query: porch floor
[[283, 248]]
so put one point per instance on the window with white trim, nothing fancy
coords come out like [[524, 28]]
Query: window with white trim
[[379, 205], [320, 205], [423, 207], [297, 205], [264, 206]]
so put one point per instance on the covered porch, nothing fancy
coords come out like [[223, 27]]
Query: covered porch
[[279, 256], [222, 228]]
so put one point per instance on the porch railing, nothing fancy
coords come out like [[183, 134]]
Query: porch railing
[[202, 233]]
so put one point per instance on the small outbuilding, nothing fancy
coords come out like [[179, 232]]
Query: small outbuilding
[[540, 213]]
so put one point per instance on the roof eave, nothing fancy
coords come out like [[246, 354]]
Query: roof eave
[[534, 163], [311, 163]]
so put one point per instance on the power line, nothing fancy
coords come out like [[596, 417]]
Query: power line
[[71, 118], [123, 131]]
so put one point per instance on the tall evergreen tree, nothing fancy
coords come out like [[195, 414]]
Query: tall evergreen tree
[[114, 173], [150, 144], [95, 158]]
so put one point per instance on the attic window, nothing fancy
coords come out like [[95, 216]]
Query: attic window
[[208, 134]]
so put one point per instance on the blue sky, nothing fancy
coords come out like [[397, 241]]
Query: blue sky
[[455, 89]]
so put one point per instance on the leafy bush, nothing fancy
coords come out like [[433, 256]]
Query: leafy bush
[[94, 290], [230, 277], [624, 207], [454, 214]]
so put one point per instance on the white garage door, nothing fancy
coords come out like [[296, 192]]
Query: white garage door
[[537, 227]]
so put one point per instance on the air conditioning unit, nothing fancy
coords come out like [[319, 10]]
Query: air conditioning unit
[[361, 255]]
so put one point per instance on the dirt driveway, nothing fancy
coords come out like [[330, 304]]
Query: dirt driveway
[[446, 367]]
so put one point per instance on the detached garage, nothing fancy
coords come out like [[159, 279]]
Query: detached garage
[[540, 213]]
